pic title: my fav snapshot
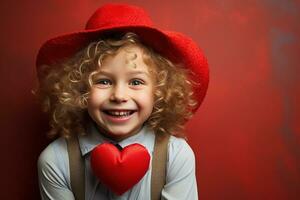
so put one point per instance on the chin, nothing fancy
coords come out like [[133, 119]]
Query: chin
[[121, 133]]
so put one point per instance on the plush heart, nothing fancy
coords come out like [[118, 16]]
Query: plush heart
[[119, 170]]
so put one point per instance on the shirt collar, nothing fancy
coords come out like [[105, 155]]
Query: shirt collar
[[93, 138]]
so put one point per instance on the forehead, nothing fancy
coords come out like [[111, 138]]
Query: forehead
[[126, 58]]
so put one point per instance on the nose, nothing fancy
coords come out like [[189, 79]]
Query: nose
[[119, 94]]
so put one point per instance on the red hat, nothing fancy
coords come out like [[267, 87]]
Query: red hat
[[177, 47]]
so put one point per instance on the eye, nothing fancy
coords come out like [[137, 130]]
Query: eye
[[103, 82], [136, 82]]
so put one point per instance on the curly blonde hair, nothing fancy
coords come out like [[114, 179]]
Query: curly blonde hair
[[64, 90]]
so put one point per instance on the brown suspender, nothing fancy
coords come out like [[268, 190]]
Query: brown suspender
[[77, 168], [159, 161], [158, 175]]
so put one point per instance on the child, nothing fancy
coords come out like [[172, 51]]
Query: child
[[120, 81]]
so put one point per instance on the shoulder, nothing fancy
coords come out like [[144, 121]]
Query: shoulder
[[54, 152], [180, 150], [181, 157], [181, 160], [181, 178], [53, 162]]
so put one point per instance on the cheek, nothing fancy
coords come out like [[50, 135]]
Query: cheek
[[146, 100], [95, 98]]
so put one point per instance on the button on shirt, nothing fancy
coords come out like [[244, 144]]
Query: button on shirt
[[54, 173]]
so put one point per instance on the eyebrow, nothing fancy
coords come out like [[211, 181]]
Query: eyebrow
[[129, 73]]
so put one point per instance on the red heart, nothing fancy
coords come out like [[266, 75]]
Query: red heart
[[120, 170]]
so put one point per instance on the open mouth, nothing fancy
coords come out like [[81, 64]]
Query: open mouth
[[119, 113]]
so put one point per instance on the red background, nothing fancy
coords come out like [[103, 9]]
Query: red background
[[246, 134]]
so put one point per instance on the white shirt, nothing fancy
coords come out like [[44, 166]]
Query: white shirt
[[54, 173]]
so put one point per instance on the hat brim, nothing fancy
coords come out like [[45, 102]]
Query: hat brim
[[175, 46]]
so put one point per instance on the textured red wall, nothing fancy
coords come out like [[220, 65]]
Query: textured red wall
[[246, 134]]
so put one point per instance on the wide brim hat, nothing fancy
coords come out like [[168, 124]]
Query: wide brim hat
[[178, 48]]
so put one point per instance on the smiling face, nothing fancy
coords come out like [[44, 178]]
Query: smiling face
[[121, 98]]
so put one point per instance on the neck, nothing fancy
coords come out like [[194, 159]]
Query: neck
[[116, 138]]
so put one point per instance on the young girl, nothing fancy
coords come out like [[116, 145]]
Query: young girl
[[120, 81]]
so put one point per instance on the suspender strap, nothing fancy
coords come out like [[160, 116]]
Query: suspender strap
[[77, 168], [159, 160]]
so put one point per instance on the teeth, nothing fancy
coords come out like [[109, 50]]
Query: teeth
[[119, 113]]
